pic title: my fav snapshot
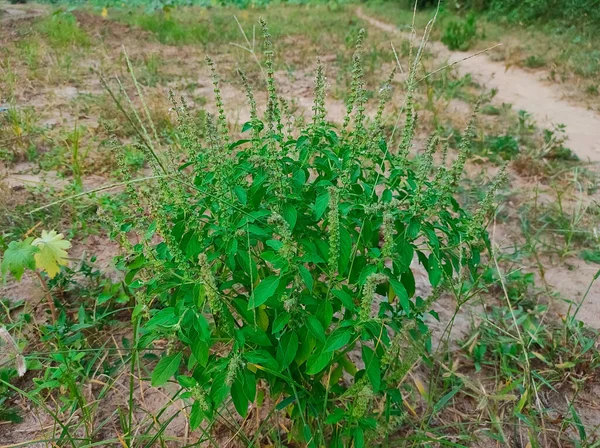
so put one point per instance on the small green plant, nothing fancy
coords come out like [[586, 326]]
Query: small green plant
[[279, 265], [30, 51], [561, 227], [535, 61], [151, 68], [8, 413], [554, 147], [504, 147], [490, 109], [76, 154], [19, 131], [592, 90], [46, 253], [459, 35], [61, 30]]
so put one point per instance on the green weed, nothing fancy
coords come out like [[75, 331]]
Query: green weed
[[535, 61], [8, 413], [62, 30], [593, 90], [77, 154], [30, 51], [459, 35], [505, 146], [20, 133], [150, 74], [590, 255], [558, 230]]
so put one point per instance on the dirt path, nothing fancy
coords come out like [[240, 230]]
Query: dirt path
[[524, 91], [10, 12]]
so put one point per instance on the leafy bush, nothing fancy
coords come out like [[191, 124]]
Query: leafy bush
[[505, 146], [574, 11], [278, 267], [459, 35]]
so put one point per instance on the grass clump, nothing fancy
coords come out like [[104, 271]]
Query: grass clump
[[458, 35], [278, 267], [62, 30]]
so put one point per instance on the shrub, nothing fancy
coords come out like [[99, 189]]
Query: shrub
[[505, 146], [280, 264], [459, 35]]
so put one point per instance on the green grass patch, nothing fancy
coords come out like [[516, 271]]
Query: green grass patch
[[61, 30]]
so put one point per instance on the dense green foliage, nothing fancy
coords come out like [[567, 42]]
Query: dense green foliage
[[459, 34], [580, 14], [285, 259], [571, 12]]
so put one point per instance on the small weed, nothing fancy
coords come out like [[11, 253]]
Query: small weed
[[459, 35], [77, 155], [151, 67], [8, 412], [61, 30], [593, 90], [555, 230], [19, 133], [8, 77], [590, 255], [30, 51], [504, 146], [554, 148], [490, 109], [534, 61], [517, 285]]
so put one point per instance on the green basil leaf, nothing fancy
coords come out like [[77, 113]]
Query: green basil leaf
[[317, 362], [372, 367], [321, 204], [337, 339], [264, 291], [316, 328], [165, 369], [287, 349]]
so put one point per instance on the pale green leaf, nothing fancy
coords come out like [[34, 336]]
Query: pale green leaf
[[52, 252], [165, 369]]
